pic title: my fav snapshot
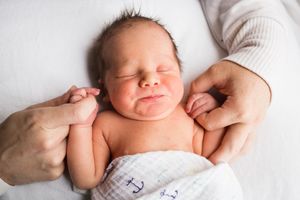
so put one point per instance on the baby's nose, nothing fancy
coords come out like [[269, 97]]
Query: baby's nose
[[149, 80]]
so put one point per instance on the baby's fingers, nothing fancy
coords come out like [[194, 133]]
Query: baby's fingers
[[199, 110], [92, 91], [75, 98], [85, 91], [79, 92], [191, 101]]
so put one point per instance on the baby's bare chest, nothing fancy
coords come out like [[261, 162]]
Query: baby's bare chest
[[139, 137]]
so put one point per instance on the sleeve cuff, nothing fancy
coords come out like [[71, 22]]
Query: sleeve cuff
[[4, 187]]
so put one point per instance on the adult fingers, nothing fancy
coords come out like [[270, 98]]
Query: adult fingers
[[52, 139], [54, 156], [220, 117], [213, 76], [53, 117], [56, 101], [47, 164], [52, 173], [232, 143]]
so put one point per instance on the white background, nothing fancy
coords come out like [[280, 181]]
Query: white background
[[43, 48]]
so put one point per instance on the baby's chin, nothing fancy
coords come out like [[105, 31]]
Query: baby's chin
[[152, 115]]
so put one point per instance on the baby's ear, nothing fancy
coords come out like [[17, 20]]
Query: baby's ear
[[100, 81], [106, 98]]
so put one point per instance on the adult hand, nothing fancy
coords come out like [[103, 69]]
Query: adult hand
[[81, 94], [247, 100], [33, 141]]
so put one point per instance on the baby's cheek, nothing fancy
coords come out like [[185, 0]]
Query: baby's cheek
[[124, 92], [120, 97], [176, 87]]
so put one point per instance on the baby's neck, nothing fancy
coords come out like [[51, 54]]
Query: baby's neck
[[177, 111]]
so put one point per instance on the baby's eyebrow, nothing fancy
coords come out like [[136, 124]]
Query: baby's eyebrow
[[120, 64], [128, 61], [168, 57], [124, 69]]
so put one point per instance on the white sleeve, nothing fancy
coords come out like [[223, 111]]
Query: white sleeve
[[252, 31], [3, 187]]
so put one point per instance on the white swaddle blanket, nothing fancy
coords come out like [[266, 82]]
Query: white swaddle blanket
[[167, 175]]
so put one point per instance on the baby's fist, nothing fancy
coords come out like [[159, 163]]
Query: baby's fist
[[86, 97], [81, 93], [200, 103]]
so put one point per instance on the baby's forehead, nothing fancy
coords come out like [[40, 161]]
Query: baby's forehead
[[120, 32], [136, 25]]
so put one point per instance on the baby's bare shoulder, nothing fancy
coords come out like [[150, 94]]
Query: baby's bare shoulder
[[104, 121], [107, 116], [197, 128]]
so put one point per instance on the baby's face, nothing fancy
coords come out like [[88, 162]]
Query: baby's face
[[143, 81]]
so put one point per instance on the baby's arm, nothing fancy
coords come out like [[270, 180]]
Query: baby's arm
[[197, 105], [87, 151]]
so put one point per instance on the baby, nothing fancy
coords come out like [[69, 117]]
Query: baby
[[141, 74]]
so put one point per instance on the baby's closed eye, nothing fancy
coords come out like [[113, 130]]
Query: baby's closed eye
[[126, 75], [163, 69]]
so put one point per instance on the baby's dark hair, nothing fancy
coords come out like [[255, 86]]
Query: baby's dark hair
[[125, 20]]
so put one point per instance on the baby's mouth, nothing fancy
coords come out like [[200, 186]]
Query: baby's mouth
[[152, 98]]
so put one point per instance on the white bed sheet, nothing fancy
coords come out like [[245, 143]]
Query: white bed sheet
[[43, 47]]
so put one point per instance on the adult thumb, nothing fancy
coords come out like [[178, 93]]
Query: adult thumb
[[215, 76], [57, 101], [67, 114]]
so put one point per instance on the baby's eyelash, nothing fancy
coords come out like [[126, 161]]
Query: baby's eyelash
[[164, 69], [126, 76]]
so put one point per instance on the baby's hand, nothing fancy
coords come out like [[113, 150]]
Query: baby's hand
[[81, 93], [200, 103], [86, 96]]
